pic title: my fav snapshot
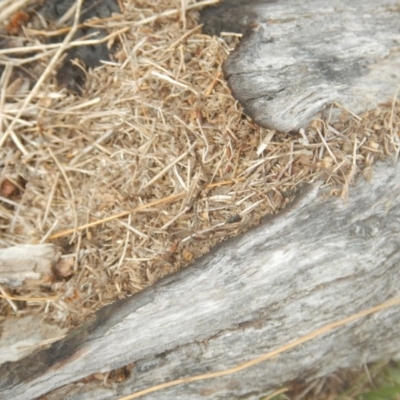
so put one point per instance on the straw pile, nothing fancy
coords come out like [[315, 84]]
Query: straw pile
[[155, 163]]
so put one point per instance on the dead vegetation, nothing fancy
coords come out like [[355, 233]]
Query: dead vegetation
[[155, 163]]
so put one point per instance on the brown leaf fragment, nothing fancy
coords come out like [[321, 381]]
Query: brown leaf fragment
[[7, 188]]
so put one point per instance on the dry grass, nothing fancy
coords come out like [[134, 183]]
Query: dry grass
[[378, 381], [155, 163]]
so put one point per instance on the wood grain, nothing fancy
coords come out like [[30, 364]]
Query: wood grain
[[296, 58]]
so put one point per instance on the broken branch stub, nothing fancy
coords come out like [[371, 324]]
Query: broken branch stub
[[27, 262]]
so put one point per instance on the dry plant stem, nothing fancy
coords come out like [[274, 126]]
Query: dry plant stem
[[21, 298], [350, 176], [173, 81], [57, 32], [9, 299], [394, 135], [28, 60], [69, 45], [326, 145], [5, 77], [305, 391], [52, 47], [50, 198], [183, 12], [40, 81], [306, 338], [275, 393], [48, 233], [369, 376], [169, 13], [68, 14], [121, 260], [168, 167], [9, 7], [182, 38], [70, 191], [347, 110], [213, 83]]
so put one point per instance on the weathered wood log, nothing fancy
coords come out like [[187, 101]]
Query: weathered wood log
[[320, 261], [297, 57], [27, 262]]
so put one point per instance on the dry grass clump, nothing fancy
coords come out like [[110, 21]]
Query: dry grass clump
[[155, 163], [376, 381]]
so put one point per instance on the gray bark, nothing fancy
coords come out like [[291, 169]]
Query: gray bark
[[21, 336], [318, 262], [298, 57]]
